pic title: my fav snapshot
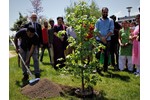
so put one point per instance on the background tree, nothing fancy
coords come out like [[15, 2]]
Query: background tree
[[93, 7], [18, 25], [37, 6], [19, 22], [95, 10]]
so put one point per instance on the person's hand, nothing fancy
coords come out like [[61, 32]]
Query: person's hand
[[17, 50], [104, 40], [137, 38], [126, 44], [122, 45], [130, 41], [62, 38], [27, 61]]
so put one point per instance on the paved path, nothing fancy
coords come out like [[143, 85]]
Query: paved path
[[12, 54]]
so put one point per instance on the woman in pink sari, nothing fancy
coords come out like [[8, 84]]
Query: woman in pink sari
[[136, 46]]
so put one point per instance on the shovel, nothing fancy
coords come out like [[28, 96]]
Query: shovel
[[33, 80]]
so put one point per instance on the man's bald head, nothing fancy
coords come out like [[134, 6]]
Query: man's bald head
[[34, 17]]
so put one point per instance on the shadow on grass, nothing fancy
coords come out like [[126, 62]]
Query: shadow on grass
[[40, 71], [46, 63], [113, 75], [122, 77], [22, 84], [70, 91], [43, 63]]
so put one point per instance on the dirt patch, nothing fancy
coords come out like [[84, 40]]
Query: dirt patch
[[47, 89], [68, 89], [71, 91], [43, 89], [12, 54]]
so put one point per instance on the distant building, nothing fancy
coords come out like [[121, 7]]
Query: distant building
[[126, 18]]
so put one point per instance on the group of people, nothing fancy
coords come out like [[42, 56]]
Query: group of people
[[130, 46], [33, 37], [121, 41]]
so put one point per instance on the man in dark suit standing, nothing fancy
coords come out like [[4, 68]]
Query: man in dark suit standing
[[38, 31], [37, 27]]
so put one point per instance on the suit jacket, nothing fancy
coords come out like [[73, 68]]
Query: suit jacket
[[38, 31]]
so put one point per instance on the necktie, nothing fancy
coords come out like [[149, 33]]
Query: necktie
[[34, 26]]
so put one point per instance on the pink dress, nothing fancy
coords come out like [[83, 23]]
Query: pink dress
[[136, 48]]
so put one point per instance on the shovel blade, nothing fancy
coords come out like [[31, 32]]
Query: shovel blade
[[34, 81]]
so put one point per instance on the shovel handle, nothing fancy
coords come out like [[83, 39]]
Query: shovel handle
[[23, 61]]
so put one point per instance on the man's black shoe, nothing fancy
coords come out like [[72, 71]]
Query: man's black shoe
[[25, 78], [37, 75]]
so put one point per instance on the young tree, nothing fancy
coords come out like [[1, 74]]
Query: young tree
[[82, 61]]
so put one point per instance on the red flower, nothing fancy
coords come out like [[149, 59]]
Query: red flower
[[90, 35], [91, 27]]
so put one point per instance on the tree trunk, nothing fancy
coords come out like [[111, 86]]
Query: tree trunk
[[82, 80]]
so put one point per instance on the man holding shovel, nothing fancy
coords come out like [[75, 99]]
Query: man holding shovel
[[27, 47]]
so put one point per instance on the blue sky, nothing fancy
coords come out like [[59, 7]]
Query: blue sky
[[54, 8]]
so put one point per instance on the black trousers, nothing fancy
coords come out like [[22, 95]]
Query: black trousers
[[114, 51], [106, 55], [45, 46]]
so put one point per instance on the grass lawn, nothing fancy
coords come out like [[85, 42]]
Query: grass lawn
[[114, 85], [11, 47]]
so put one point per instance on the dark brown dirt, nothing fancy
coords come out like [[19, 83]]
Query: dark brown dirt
[[43, 89], [47, 89]]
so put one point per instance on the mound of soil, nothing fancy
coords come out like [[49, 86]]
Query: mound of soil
[[43, 89], [47, 89]]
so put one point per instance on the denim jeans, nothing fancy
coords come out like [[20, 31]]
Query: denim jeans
[[35, 56], [24, 55]]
